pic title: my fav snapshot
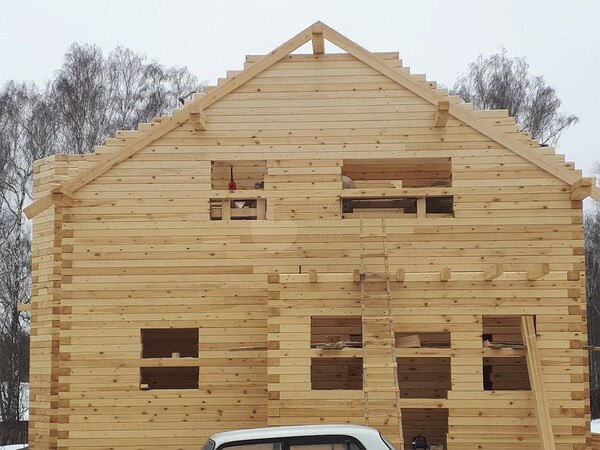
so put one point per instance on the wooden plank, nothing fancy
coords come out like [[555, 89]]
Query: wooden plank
[[534, 368], [38, 206]]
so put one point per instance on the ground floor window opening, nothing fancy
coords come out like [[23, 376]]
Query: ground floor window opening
[[425, 425]]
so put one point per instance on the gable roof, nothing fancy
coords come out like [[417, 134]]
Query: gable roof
[[317, 32]]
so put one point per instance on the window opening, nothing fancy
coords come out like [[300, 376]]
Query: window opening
[[396, 175], [165, 342], [502, 331], [245, 174], [503, 373], [173, 343], [334, 332], [238, 209], [425, 424], [406, 173], [423, 339]]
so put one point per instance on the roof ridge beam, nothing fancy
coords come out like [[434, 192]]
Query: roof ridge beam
[[318, 42]]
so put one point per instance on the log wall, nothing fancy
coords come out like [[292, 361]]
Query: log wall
[[138, 251]]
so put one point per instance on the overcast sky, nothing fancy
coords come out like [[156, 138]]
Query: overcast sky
[[560, 39]]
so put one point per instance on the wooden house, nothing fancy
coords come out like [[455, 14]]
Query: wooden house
[[404, 262]]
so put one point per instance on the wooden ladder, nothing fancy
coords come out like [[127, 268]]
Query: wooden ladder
[[380, 374]]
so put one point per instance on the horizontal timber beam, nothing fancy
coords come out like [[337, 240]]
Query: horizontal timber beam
[[492, 272], [485, 273], [582, 188], [538, 271]]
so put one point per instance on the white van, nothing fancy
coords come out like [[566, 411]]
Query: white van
[[306, 437]]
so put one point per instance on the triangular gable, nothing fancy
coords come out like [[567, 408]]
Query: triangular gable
[[317, 33]]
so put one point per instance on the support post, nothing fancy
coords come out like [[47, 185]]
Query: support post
[[318, 42], [261, 209], [226, 209], [534, 368], [421, 207]]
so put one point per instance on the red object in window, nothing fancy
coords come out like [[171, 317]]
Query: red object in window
[[232, 186]]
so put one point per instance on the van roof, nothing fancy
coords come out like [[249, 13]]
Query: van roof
[[294, 431]]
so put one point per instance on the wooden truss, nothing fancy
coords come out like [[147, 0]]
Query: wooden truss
[[317, 33]]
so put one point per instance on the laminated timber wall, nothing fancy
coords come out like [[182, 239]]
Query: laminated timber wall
[[45, 323], [137, 250]]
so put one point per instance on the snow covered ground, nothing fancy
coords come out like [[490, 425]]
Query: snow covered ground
[[596, 426], [14, 447]]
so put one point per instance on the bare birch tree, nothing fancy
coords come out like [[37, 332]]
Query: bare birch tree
[[88, 100], [592, 268], [501, 82]]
